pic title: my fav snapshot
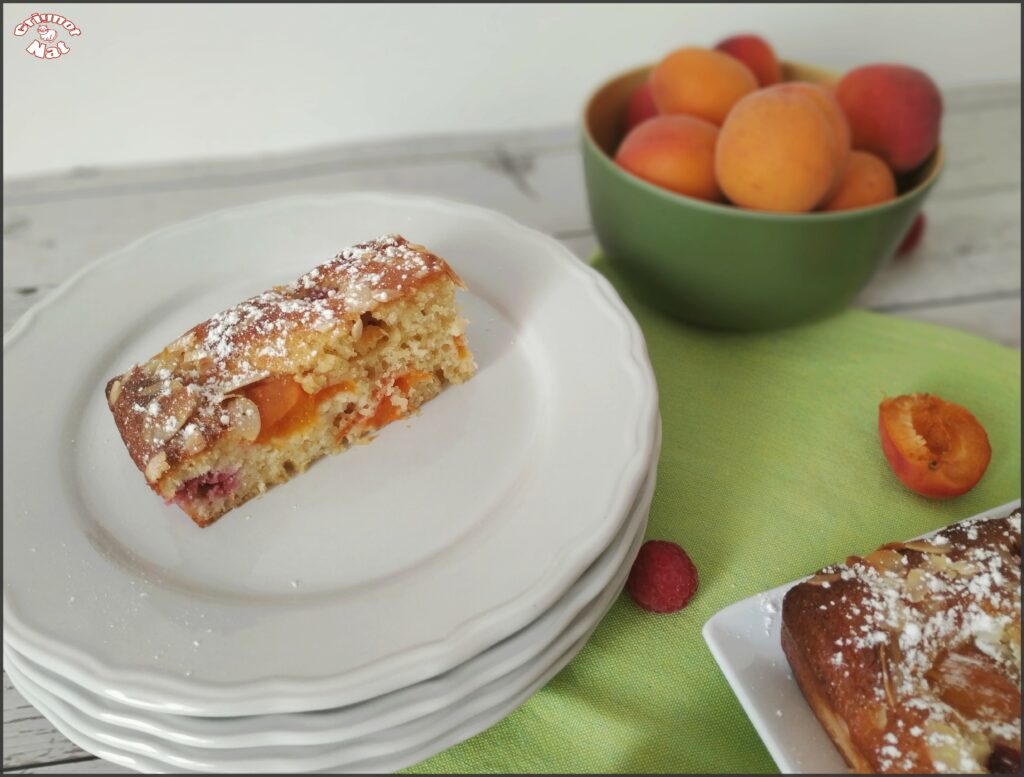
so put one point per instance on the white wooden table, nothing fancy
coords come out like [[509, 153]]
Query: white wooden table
[[966, 274]]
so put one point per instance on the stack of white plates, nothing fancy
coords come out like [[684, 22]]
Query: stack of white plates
[[390, 602]]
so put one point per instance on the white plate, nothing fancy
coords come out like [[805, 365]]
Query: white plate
[[383, 764], [379, 568], [415, 734], [745, 640], [387, 750], [415, 702]]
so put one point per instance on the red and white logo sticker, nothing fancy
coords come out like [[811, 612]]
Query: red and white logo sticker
[[50, 32]]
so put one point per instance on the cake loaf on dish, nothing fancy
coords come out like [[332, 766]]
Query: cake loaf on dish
[[252, 396], [910, 657]]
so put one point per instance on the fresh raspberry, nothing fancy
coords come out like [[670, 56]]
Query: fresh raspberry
[[663, 579], [913, 236]]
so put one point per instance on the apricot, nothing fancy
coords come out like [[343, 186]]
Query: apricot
[[776, 152], [867, 181], [756, 53], [974, 684], [674, 152], [641, 106], [937, 448], [894, 112], [275, 398], [836, 118], [700, 82]]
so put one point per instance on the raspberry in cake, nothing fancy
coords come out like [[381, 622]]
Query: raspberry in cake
[[255, 394]]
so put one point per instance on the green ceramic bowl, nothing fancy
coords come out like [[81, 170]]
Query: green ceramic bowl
[[725, 267]]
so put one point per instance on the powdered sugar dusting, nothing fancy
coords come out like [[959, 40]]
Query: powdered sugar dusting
[[358, 279], [769, 610], [178, 401]]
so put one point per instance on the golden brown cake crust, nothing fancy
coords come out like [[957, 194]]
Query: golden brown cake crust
[[910, 657], [183, 399]]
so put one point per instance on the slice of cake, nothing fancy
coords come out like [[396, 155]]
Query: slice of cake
[[910, 657], [255, 394]]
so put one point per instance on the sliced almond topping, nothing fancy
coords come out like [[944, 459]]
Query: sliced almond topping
[[917, 585], [940, 563], [156, 467], [174, 406], [881, 717], [243, 417], [886, 560], [193, 441], [965, 568], [883, 660], [921, 546]]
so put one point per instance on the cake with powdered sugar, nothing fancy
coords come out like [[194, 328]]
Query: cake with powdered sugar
[[252, 396], [910, 656]]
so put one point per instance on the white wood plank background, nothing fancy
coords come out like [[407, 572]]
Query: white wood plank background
[[966, 273]]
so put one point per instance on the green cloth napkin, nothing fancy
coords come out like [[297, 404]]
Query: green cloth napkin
[[770, 468]]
